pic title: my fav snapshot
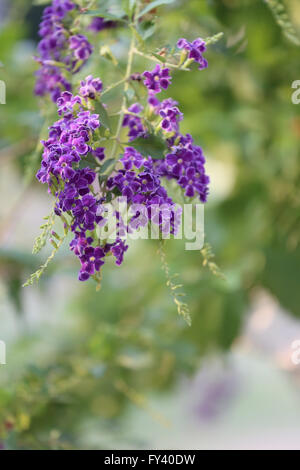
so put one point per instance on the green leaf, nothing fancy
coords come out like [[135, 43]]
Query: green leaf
[[128, 7], [152, 145], [147, 29], [154, 4], [104, 118], [132, 4], [106, 165], [88, 161], [159, 57]]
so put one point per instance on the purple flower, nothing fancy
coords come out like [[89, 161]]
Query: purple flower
[[50, 80], [118, 249], [157, 79], [90, 87], [179, 161], [61, 8], [80, 242], [85, 212], [77, 186], [194, 182], [99, 153], [171, 115], [132, 158], [126, 182], [196, 50], [81, 146], [66, 102], [153, 100], [148, 182], [64, 167], [99, 24], [91, 261], [80, 46], [136, 128], [88, 120]]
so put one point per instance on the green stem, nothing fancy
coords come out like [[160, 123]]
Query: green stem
[[113, 86], [154, 59], [126, 87]]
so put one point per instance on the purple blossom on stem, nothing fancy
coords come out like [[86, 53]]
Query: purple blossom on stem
[[66, 102], [91, 261], [85, 212], [185, 159], [62, 7], [153, 100], [99, 24], [192, 182], [136, 128], [81, 48], [91, 87], [179, 161], [99, 153], [118, 249], [132, 158], [157, 79], [171, 115], [56, 46], [80, 242], [196, 50]]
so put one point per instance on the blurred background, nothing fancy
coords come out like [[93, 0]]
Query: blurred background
[[118, 369]]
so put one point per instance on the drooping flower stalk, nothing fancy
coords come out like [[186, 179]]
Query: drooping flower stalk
[[61, 52], [83, 167]]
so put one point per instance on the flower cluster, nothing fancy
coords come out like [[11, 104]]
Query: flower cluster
[[186, 164], [195, 50], [63, 168], [185, 161], [59, 50], [74, 163], [140, 183]]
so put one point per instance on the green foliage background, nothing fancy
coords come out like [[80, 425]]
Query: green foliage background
[[126, 341]]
